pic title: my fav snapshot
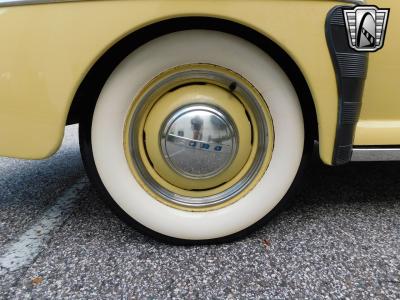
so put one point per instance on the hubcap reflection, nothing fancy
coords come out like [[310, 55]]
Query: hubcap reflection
[[199, 141]]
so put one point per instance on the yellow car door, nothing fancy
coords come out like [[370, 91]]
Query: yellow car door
[[379, 122]]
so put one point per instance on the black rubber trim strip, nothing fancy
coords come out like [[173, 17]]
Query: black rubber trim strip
[[351, 70]]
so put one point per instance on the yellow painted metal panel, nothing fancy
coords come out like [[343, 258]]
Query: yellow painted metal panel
[[380, 114], [46, 51]]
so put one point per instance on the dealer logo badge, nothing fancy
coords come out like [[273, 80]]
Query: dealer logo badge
[[366, 27]]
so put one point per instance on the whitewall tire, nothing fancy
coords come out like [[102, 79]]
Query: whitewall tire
[[103, 137]]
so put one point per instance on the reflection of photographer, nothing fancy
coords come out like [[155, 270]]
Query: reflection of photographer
[[197, 127]]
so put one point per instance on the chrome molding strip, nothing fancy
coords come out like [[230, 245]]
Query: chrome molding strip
[[359, 2], [6, 3], [376, 154]]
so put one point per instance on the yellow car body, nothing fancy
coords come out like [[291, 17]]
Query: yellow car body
[[49, 47]]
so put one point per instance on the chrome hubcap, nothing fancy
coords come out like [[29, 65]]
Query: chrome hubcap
[[198, 137], [199, 141]]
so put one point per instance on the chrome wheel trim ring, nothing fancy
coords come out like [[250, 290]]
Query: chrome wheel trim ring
[[190, 74]]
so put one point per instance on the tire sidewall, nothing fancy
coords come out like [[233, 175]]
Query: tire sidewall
[[195, 46]]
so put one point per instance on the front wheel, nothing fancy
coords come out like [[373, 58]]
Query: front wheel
[[196, 136]]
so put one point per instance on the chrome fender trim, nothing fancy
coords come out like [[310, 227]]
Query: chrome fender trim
[[5, 3], [376, 154]]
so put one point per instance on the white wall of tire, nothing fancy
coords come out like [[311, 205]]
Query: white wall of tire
[[197, 46]]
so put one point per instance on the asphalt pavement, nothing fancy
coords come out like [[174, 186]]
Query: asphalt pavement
[[340, 238]]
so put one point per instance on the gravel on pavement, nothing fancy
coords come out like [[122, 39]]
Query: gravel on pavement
[[339, 238]]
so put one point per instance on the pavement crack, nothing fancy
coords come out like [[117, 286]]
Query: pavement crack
[[22, 252]]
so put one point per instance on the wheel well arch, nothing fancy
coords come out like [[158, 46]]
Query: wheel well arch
[[91, 86]]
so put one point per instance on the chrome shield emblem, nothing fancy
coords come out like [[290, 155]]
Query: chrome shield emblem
[[366, 27]]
